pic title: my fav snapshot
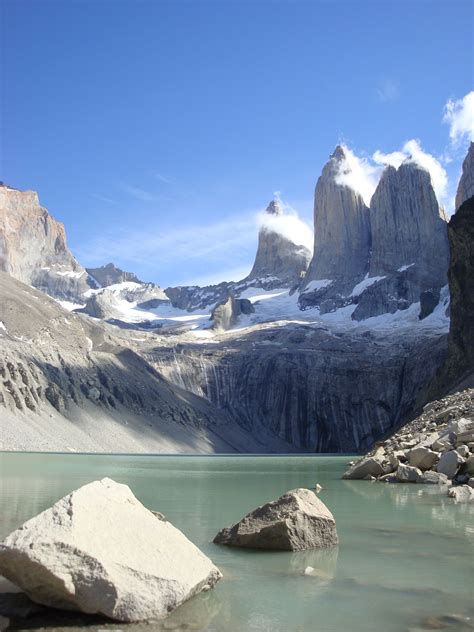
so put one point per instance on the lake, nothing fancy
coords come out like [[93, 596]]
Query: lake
[[406, 551]]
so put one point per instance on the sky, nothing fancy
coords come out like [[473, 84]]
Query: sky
[[157, 131]]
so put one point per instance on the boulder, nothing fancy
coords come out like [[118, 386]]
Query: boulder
[[408, 474], [463, 450], [434, 478], [368, 466], [449, 463], [468, 467], [99, 550], [462, 494], [422, 457], [296, 521]]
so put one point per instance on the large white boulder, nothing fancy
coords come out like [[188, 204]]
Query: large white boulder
[[296, 521], [449, 463], [99, 550]]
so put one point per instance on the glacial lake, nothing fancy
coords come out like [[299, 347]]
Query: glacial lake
[[406, 552]]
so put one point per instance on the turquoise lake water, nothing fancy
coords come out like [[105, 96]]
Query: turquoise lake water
[[406, 552]]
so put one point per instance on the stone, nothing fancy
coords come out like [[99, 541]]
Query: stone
[[423, 458], [463, 450], [470, 482], [460, 426], [226, 314], [368, 466], [296, 521], [434, 478], [462, 494], [465, 437], [449, 463], [99, 550], [429, 299], [468, 466], [408, 474]]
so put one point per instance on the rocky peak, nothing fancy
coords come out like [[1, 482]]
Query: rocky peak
[[110, 275], [33, 247], [408, 226], [341, 227], [274, 208], [277, 256], [466, 183]]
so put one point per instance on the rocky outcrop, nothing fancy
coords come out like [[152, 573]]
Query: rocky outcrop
[[278, 259], [110, 303], [296, 521], [435, 448], [70, 383], [408, 227], [33, 247], [466, 183], [459, 366], [111, 275], [226, 314], [341, 230], [99, 550], [318, 390]]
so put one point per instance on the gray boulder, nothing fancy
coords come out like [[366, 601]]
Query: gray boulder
[[408, 474], [434, 478], [369, 466], [449, 463], [226, 314], [296, 521], [422, 457], [99, 550], [429, 299]]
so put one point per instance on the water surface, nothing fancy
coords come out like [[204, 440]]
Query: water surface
[[406, 552]]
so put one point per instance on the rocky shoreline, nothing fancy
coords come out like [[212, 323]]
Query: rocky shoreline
[[436, 448]]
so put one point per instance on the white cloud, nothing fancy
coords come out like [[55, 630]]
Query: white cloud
[[459, 115], [359, 173], [388, 90], [412, 150], [137, 193], [288, 225]]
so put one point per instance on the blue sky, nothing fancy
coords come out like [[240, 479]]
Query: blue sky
[[156, 130]]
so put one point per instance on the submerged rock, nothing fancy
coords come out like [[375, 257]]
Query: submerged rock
[[99, 550], [462, 494], [296, 521]]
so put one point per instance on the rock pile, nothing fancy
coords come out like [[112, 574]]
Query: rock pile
[[435, 448]]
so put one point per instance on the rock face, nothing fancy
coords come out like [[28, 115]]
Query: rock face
[[67, 381], [460, 361], [226, 314], [408, 227], [33, 247], [296, 521], [99, 550], [277, 256], [466, 183], [110, 275], [341, 228]]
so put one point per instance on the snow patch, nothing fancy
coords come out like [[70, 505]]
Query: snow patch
[[403, 268], [317, 284], [364, 284]]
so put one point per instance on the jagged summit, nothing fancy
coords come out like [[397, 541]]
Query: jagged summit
[[277, 256], [110, 274], [274, 208], [341, 228]]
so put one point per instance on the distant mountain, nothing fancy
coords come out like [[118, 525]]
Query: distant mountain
[[111, 275]]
